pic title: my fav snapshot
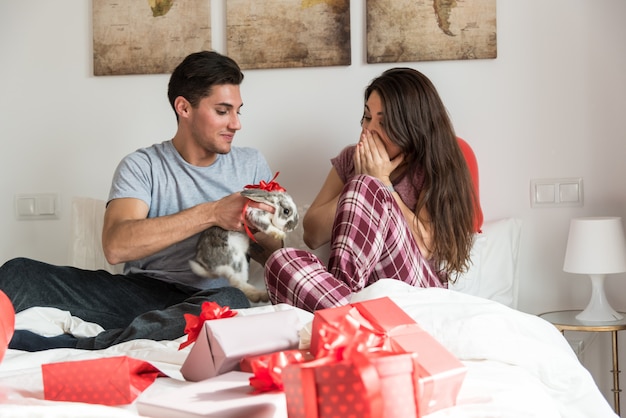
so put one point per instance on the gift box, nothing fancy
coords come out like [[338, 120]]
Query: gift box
[[7, 322], [106, 381], [227, 396], [385, 316], [374, 386], [439, 372], [222, 343]]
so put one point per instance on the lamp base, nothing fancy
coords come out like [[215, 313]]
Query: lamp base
[[598, 309]]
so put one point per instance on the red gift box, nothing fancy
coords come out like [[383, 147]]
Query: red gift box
[[106, 381], [440, 373], [7, 322], [386, 317], [376, 385]]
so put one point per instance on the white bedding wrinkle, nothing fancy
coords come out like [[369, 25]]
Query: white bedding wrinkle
[[50, 322]]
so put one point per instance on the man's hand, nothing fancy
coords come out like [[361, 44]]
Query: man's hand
[[228, 212]]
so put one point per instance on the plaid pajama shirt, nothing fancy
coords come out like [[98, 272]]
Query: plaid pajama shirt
[[370, 240]]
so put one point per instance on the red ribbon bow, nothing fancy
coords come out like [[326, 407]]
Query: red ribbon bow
[[210, 310], [268, 370], [352, 334], [272, 186]]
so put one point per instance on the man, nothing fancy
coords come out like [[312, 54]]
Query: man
[[161, 198]]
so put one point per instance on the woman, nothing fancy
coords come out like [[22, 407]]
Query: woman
[[399, 204]]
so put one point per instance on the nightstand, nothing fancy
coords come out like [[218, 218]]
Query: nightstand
[[566, 321]]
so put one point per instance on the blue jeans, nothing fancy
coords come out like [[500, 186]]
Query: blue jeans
[[128, 307]]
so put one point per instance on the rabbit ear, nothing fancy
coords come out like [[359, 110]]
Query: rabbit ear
[[258, 195]]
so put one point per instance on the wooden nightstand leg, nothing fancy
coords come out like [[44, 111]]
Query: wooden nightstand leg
[[616, 371]]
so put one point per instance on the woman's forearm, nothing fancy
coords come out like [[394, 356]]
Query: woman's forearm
[[318, 223]]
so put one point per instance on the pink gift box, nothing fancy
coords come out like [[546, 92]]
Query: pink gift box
[[223, 343], [440, 373]]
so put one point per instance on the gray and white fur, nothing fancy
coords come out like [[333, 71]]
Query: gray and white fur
[[222, 253]]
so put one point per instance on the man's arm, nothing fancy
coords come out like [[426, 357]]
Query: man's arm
[[128, 235]]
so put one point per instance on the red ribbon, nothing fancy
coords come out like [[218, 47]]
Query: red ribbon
[[272, 186], [350, 339], [210, 310], [352, 334], [268, 369], [245, 223]]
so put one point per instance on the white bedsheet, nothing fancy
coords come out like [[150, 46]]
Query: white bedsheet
[[518, 364]]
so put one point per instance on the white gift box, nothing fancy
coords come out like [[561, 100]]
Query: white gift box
[[226, 396]]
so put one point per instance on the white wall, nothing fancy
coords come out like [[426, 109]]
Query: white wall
[[551, 105]]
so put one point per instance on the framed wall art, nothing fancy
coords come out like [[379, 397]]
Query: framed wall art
[[430, 30], [147, 36], [288, 33]]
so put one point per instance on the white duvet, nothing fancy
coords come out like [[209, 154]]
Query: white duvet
[[518, 364]]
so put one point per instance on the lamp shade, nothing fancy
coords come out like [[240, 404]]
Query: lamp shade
[[595, 246]]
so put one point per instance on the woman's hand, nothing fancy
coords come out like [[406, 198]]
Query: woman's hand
[[371, 157]]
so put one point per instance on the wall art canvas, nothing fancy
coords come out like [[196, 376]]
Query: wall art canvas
[[430, 30], [147, 36], [288, 33]]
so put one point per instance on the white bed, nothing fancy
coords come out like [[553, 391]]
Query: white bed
[[518, 364]]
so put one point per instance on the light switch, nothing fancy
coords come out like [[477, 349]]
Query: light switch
[[25, 206], [569, 192], [545, 193], [36, 206], [556, 192], [46, 205]]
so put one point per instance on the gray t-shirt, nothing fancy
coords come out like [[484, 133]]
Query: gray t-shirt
[[159, 176]]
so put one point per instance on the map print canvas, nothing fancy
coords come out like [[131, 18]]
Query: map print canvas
[[147, 36], [430, 30], [288, 33]]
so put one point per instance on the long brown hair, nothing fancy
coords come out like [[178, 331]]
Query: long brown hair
[[417, 121]]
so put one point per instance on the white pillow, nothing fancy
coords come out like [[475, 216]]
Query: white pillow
[[85, 244], [494, 273]]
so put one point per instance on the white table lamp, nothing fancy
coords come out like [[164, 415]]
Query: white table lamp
[[597, 247]]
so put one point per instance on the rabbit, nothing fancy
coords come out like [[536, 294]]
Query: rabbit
[[222, 253]]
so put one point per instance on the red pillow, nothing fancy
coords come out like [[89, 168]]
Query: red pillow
[[472, 164]]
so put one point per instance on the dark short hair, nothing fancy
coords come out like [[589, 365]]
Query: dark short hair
[[196, 75]]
